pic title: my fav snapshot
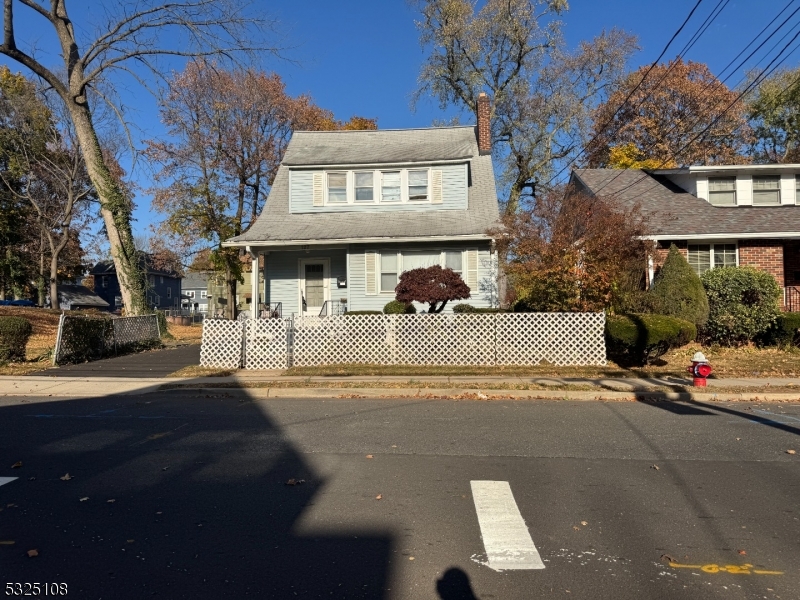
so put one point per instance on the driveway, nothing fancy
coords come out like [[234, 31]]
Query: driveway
[[155, 363]]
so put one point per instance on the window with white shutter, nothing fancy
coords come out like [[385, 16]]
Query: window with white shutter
[[436, 186], [370, 273], [318, 190], [472, 270]]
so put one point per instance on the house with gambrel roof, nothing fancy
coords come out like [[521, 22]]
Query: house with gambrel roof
[[349, 211], [716, 215]]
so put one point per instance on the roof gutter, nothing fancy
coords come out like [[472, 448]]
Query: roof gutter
[[364, 240], [772, 235]]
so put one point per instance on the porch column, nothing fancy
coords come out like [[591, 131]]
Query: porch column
[[254, 268]]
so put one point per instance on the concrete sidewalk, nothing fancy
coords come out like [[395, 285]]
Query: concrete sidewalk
[[480, 387]]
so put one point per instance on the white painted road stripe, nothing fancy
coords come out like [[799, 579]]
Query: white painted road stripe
[[505, 535], [5, 480]]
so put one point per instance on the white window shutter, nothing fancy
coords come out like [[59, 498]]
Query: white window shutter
[[472, 270], [370, 273], [317, 189], [436, 186]]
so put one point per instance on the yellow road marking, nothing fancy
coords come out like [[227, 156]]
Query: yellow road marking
[[745, 569]]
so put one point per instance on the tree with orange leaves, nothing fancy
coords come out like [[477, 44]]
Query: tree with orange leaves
[[231, 129], [668, 108], [571, 252]]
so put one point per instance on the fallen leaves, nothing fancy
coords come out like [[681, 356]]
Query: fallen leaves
[[131, 541], [656, 467], [584, 523], [370, 456], [791, 452], [66, 477], [742, 552], [576, 528], [33, 553], [84, 499], [667, 558], [294, 481], [17, 465], [111, 501], [410, 558], [6, 542], [379, 497]]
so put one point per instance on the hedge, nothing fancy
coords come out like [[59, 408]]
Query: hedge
[[14, 334], [784, 332], [743, 304], [640, 339], [678, 291], [364, 312], [395, 307], [464, 308]]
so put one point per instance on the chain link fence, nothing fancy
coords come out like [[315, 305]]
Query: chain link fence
[[83, 338]]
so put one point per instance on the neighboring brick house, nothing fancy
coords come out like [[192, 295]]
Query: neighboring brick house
[[163, 285], [731, 215]]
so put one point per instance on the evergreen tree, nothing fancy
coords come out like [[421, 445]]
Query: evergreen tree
[[678, 291]]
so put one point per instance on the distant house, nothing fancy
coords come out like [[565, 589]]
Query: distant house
[[78, 297], [194, 292], [163, 285], [350, 211]]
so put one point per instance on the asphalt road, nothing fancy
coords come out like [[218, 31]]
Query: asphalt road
[[154, 363], [185, 495]]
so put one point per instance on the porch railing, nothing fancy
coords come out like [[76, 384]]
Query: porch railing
[[791, 299], [331, 309]]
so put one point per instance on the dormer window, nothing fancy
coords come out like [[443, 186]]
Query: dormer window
[[337, 188], [417, 186], [390, 186], [767, 190], [365, 191], [722, 191]]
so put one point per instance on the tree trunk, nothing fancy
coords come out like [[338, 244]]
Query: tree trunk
[[40, 284], [116, 212], [230, 289], [54, 281]]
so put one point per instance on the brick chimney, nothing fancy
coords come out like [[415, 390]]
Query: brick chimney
[[484, 125]]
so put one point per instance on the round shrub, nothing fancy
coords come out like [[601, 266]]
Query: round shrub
[[678, 291], [395, 307], [784, 332], [364, 312], [14, 334], [464, 308], [639, 339], [743, 304]]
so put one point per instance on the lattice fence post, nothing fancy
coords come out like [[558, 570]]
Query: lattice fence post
[[57, 349]]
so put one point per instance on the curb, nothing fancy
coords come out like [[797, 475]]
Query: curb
[[473, 394]]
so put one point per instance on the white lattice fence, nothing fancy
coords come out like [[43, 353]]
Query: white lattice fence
[[221, 346], [266, 343], [557, 338], [344, 339], [451, 339], [130, 331]]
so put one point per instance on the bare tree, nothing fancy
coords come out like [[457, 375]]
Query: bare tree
[[543, 94], [130, 34]]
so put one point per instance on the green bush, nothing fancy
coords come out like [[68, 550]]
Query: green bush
[[162, 325], [364, 312], [14, 334], [464, 308], [743, 304], [639, 339], [678, 291], [395, 307], [784, 332]]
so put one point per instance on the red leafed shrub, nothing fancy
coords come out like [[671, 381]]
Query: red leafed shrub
[[431, 285]]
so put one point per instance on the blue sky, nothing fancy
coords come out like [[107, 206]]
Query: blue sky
[[362, 57]]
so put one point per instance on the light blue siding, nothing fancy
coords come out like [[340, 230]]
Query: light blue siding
[[485, 296], [454, 194], [282, 270]]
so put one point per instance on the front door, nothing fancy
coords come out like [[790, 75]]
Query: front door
[[314, 288]]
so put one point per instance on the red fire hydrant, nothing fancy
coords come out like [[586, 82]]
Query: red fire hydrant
[[700, 369]]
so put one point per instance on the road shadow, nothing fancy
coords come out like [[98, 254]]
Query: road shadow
[[187, 495], [696, 408], [455, 585]]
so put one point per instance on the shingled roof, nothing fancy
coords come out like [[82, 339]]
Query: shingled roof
[[390, 147], [675, 213]]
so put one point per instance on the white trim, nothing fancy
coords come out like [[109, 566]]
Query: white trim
[[724, 236], [301, 288], [398, 165], [388, 240], [377, 187], [712, 253], [712, 168]]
